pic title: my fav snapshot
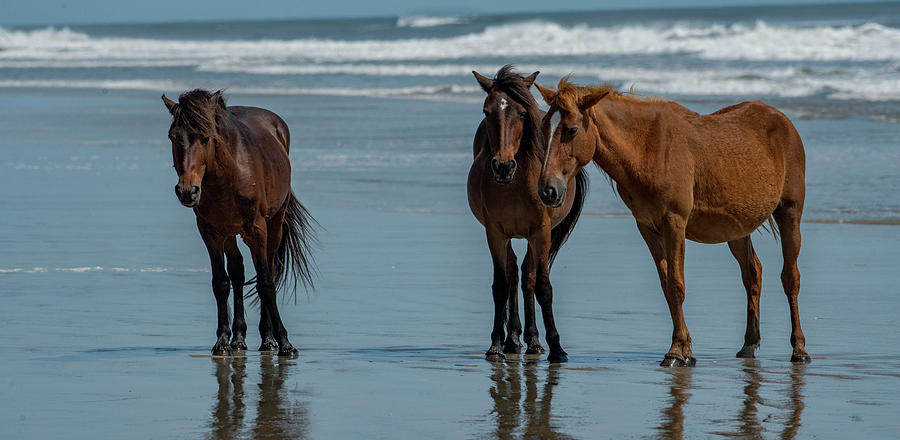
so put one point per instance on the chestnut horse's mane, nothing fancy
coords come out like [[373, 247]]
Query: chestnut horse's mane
[[569, 94], [513, 85], [198, 111]]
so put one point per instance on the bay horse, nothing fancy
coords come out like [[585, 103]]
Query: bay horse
[[708, 178], [234, 172], [507, 150]]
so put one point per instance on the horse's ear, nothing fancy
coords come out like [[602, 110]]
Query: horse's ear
[[485, 82], [218, 99], [549, 95], [529, 80], [169, 104], [589, 100]]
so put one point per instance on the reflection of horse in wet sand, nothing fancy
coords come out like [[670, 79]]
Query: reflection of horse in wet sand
[[672, 426], [709, 178], [278, 416], [507, 149], [748, 419], [531, 416]]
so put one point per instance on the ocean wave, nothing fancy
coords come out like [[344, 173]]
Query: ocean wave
[[756, 82], [758, 41], [425, 21], [434, 92]]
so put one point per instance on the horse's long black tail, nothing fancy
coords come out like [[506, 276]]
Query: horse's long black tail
[[293, 256], [561, 232]]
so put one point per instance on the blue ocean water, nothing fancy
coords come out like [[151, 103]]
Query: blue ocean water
[[824, 63], [104, 281]]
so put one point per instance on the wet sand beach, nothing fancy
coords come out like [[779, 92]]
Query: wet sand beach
[[109, 315]]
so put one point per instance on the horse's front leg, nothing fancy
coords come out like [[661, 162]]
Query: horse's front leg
[[498, 245], [220, 285], [265, 288], [540, 243], [673, 236], [513, 324], [236, 274]]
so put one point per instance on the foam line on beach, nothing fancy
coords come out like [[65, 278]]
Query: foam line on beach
[[759, 41], [96, 269]]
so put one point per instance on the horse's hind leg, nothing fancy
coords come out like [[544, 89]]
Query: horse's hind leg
[[220, 285], [265, 287], [273, 241], [787, 216], [529, 277], [236, 274], [751, 273], [513, 324], [498, 245]]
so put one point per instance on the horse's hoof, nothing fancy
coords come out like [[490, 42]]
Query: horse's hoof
[[672, 361], [289, 352], [748, 352], [512, 348], [222, 350], [495, 354], [558, 357], [801, 359], [239, 345], [535, 349], [268, 346]]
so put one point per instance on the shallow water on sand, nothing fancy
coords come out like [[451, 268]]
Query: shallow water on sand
[[109, 317]]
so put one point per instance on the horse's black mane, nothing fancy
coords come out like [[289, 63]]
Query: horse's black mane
[[510, 82], [198, 111]]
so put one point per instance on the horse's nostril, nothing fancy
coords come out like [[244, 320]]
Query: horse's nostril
[[512, 164], [495, 165], [550, 193], [194, 190]]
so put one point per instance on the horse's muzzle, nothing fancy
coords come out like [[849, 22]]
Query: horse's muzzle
[[553, 194], [503, 171], [188, 196]]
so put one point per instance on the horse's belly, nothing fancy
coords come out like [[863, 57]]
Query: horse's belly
[[718, 226]]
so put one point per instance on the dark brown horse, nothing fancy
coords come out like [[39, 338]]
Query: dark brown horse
[[233, 170], [709, 178], [507, 149]]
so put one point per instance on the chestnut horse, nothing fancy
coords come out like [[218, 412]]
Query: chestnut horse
[[233, 170], [709, 178], [501, 184]]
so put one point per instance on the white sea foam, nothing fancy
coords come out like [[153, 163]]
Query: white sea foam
[[788, 83], [425, 21], [429, 92], [759, 41], [80, 269]]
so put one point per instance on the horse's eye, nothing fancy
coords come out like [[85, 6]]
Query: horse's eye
[[486, 112], [572, 130], [522, 115]]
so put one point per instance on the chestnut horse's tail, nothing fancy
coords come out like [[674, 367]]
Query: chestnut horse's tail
[[561, 232], [293, 256]]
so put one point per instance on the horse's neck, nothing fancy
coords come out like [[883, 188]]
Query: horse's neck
[[227, 147], [622, 128]]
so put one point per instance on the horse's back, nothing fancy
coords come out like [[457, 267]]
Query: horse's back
[[746, 158], [260, 120], [265, 144]]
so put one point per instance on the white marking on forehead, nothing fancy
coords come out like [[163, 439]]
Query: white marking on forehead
[[554, 123], [503, 104]]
